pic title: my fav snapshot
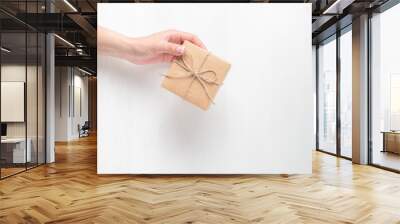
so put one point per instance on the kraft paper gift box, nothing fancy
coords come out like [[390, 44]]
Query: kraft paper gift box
[[196, 76]]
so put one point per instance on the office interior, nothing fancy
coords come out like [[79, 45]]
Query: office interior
[[28, 55], [48, 84], [334, 59]]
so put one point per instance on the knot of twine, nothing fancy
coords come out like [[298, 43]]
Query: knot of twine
[[198, 75]]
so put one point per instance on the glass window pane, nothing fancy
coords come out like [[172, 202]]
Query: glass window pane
[[346, 94], [386, 89], [22, 90], [32, 95], [327, 96], [32, 88], [41, 98], [13, 88]]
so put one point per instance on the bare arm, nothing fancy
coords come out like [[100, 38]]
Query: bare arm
[[155, 48]]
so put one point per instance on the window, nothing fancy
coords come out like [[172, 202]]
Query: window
[[327, 96], [346, 93], [22, 88], [385, 89]]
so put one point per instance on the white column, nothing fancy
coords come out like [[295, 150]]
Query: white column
[[50, 99]]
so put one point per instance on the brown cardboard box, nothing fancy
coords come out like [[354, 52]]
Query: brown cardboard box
[[196, 76]]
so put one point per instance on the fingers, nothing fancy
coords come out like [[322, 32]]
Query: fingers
[[171, 48], [179, 37], [173, 40], [191, 38]]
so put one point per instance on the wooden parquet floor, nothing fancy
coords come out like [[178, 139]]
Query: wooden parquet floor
[[70, 191]]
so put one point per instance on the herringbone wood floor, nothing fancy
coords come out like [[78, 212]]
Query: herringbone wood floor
[[70, 191]]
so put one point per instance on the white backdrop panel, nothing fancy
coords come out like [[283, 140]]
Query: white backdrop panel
[[263, 118]]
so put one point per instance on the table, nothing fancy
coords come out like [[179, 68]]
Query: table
[[13, 150], [391, 141]]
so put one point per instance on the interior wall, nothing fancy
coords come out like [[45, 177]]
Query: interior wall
[[17, 73], [62, 80], [81, 82], [33, 126], [71, 102], [314, 73], [92, 98]]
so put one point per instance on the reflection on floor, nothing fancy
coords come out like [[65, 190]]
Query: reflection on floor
[[70, 191], [8, 170], [386, 159], [346, 151]]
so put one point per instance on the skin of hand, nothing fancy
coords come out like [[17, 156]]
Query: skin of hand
[[156, 48]]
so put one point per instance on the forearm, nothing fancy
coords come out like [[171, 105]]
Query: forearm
[[113, 44], [156, 48]]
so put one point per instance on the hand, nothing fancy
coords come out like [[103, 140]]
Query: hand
[[160, 47], [156, 48]]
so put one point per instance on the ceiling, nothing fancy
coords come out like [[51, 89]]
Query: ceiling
[[76, 20]]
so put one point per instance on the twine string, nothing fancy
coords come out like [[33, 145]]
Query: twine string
[[198, 75]]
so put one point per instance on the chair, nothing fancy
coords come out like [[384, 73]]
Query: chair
[[84, 130]]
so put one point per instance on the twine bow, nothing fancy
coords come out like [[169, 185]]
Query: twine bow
[[198, 75]]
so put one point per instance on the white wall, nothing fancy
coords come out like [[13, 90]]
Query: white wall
[[68, 81], [80, 84], [33, 128], [314, 74], [62, 81], [15, 72], [263, 118], [12, 73]]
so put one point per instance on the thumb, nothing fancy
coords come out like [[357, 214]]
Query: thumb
[[171, 48]]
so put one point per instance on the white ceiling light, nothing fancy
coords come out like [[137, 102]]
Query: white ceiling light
[[5, 50], [70, 5], [337, 7], [84, 71], [65, 41]]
